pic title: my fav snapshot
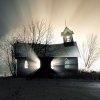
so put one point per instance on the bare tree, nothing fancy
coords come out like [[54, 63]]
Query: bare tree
[[7, 50], [41, 34], [91, 51], [33, 34]]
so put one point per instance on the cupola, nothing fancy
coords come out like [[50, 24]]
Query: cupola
[[67, 36]]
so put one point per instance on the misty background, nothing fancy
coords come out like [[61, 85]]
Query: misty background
[[82, 16]]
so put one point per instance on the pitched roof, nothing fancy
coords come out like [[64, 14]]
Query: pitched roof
[[54, 50], [67, 31]]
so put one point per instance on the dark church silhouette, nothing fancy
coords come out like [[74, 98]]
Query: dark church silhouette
[[60, 60]]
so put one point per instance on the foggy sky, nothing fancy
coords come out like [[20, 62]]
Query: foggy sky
[[82, 16]]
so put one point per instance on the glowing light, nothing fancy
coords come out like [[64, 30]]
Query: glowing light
[[38, 64], [26, 64], [56, 65], [52, 65]]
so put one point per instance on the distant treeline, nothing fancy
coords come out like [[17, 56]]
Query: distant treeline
[[88, 75]]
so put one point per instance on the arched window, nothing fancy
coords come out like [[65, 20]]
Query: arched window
[[26, 64]]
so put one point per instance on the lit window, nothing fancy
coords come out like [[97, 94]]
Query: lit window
[[68, 39], [26, 64]]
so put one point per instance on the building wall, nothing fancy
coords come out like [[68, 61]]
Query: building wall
[[62, 65], [65, 66], [71, 63], [21, 70]]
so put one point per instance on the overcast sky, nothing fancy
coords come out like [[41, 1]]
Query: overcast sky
[[82, 16]]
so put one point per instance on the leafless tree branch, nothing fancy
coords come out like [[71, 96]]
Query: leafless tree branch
[[91, 50]]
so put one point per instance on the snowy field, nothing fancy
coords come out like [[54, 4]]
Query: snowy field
[[48, 89]]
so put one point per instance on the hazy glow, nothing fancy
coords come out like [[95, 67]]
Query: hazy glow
[[26, 64], [37, 64], [34, 62], [52, 65], [82, 17], [55, 63]]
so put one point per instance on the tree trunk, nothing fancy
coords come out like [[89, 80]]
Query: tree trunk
[[45, 63], [45, 70]]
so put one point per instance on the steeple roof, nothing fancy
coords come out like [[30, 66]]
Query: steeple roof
[[67, 31]]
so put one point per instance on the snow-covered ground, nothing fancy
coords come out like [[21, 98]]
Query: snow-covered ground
[[48, 89]]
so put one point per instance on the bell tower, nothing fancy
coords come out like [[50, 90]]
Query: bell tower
[[67, 37]]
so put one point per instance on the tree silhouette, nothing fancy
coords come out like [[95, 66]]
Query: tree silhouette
[[33, 34], [91, 50]]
